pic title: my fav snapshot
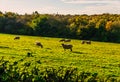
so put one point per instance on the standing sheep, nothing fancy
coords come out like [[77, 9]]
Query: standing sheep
[[39, 44], [67, 46]]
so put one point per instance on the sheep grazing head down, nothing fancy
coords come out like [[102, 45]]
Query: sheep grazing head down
[[83, 42], [65, 40], [88, 42], [62, 40], [67, 46], [17, 38], [39, 44]]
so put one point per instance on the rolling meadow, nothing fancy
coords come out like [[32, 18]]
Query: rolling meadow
[[98, 57]]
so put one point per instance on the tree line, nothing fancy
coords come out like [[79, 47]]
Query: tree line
[[98, 27]]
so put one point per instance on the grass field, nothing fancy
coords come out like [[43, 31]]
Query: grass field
[[100, 57]]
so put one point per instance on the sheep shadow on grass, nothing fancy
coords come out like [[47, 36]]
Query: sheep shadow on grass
[[77, 52]]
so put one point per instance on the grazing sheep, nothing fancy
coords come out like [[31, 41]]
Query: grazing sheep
[[67, 40], [88, 42], [17, 38], [83, 42], [39, 44], [67, 46], [62, 40]]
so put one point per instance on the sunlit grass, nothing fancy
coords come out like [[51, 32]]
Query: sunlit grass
[[100, 57]]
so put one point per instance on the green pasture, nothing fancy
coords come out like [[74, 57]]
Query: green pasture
[[100, 57]]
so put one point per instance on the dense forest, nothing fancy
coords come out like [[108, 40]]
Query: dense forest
[[98, 27]]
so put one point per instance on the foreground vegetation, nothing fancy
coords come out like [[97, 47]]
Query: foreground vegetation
[[11, 73], [99, 58]]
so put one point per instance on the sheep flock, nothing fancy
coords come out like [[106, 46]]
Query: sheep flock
[[64, 44]]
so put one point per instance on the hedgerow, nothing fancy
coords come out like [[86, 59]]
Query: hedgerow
[[12, 73]]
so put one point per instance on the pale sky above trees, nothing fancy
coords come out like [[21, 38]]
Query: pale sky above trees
[[61, 6]]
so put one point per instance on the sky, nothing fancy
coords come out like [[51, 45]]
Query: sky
[[61, 6]]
